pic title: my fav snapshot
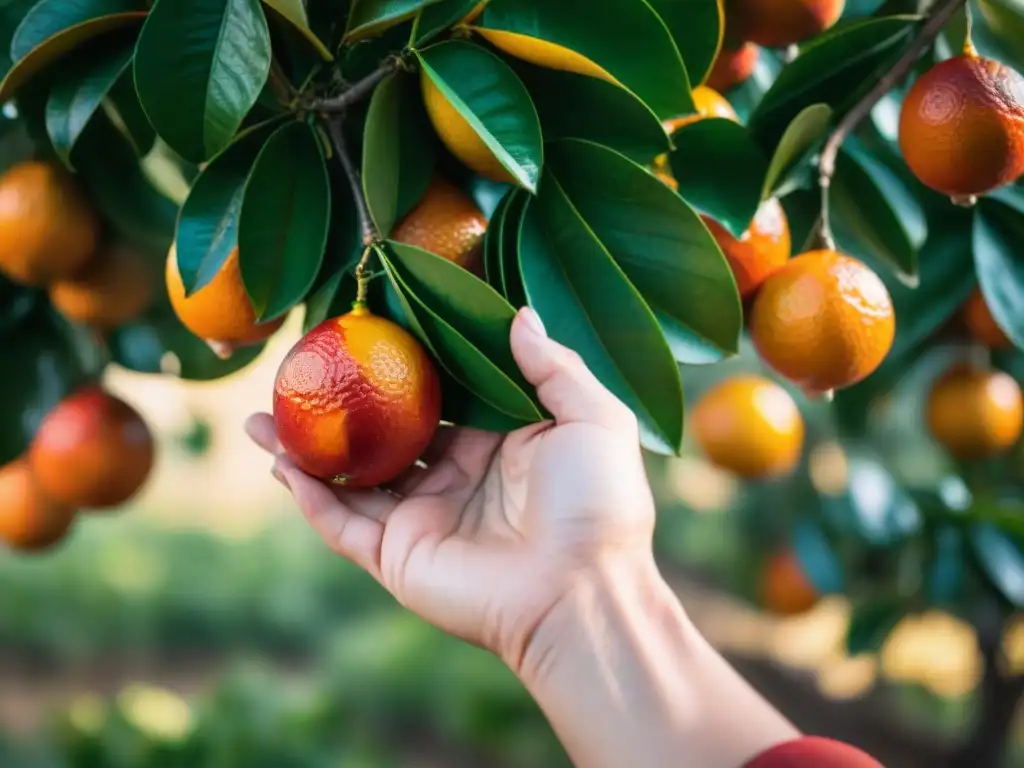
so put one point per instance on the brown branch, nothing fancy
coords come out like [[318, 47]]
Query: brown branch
[[366, 227], [359, 90], [941, 13]]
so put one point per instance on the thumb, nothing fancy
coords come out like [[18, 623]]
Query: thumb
[[565, 385]]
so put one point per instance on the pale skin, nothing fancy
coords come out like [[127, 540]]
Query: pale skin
[[538, 546]]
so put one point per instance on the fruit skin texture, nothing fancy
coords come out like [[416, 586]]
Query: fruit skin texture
[[763, 249], [962, 126], [974, 413], [825, 321], [220, 311], [357, 401], [778, 23], [733, 67], [48, 231], [982, 325], [29, 520], [445, 222], [93, 451], [114, 288], [751, 427], [709, 103], [785, 588]]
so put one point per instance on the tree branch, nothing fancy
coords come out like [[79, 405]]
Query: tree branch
[[941, 12], [366, 227], [359, 90]]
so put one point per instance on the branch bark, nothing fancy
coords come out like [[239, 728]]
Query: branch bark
[[359, 90], [366, 227]]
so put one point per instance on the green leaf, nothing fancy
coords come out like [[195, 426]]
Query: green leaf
[[128, 115], [944, 579], [567, 102], [998, 239], [398, 158], [834, 69], [492, 245], [294, 12], [698, 27], [50, 17], [871, 624], [207, 230], [1001, 560], [588, 304], [703, 150], [80, 92], [1004, 20], [511, 232], [338, 291], [371, 17], [284, 221], [800, 137], [199, 67], [659, 242], [624, 38], [439, 16], [818, 558], [495, 103]]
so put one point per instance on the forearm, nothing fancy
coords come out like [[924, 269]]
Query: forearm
[[625, 679]]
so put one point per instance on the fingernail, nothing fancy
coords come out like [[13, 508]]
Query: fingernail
[[279, 476], [533, 321]]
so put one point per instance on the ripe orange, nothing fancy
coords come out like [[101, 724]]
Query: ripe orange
[[93, 451], [733, 67], [785, 588], [29, 520], [974, 413], [778, 23], [445, 222], [824, 321], [962, 126], [750, 426], [357, 401], [48, 230], [114, 288], [220, 311], [982, 325], [763, 249], [709, 103]]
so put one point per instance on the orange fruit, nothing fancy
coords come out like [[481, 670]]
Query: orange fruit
[[733, 67], [982, 325], [709, 103], [785, 588], [445, 222], [974, 413], [357, 401], [778, 23], [962, 126], [220, 311], [749, 426], [93, 451], [762, 250], [824, 321], [48, 230], [114, 288], [29, 520]]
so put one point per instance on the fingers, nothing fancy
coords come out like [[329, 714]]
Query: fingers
[[260, 427], [565, 386]]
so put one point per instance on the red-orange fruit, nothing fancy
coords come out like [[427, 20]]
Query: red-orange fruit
[[778, 23], [357, 401], [982, 325], [962, 126], [93, 451], [30, 521], [785, 588], [445, 222], [733, 67], [761, 251]]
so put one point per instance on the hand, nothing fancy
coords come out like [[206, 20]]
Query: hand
[[497, 531]]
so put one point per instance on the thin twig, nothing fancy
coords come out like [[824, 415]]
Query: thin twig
[[366, 226], [359, 90], [942, 11]]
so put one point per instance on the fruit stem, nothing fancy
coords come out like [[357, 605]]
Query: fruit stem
[[363, 278], [368, 231], [969, 49]]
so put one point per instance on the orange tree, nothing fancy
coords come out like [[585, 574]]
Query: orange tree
[[181, 175]]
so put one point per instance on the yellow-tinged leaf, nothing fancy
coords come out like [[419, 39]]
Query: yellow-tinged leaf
[[293, 12], [543, 53]]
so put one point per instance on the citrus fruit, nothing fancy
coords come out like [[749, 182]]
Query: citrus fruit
[[982, 325], [761, 251], [785, 588], [357, 400], [114, 287], [48, 230], [29, 520], [975, 413], [458, 135], [778, 23], [824, 321], [749, 426], [445, 222], [220, 311], [93, 451], [708, 103], [733, 67], [962, 126]]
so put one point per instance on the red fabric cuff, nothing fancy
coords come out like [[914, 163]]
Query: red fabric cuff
[[814, 752]]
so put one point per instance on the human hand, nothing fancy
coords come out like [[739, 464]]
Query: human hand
[[489, 538]]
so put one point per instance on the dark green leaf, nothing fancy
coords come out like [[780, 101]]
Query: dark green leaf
[[1002, 22], [818, 558], [199, 67], [511, 231], [871, 624], [284, 220], [998, 239], [128, 114], [1001, 560], [371, 17], [49, 17], [944, 579], [439, 16], [698, 27], [294, 12], [334, 297], [492, 245], [798, 140], [495, 103]]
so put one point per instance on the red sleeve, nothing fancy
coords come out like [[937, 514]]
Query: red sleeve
[[813, 752]]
